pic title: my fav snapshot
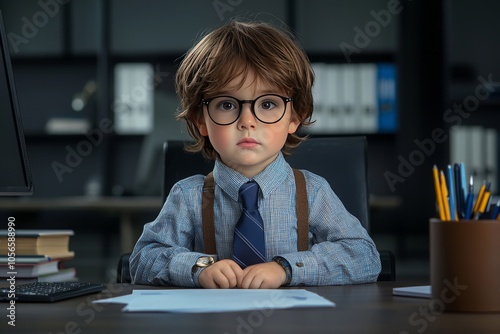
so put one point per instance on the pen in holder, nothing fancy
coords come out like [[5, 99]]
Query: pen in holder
[[465, 265], [455, 199]]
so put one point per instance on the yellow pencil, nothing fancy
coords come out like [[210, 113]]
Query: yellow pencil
[[439, 196], [484, 203], [444, 193], [479, 198]]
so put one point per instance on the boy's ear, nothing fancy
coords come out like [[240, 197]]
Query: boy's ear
[[294, 124], [202, 127]]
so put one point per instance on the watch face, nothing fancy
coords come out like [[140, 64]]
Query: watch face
[[205, 261]]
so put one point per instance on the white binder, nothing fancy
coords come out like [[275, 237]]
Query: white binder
[[367, 113], [348, 115]]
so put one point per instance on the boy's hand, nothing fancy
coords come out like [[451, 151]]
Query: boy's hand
[[269, 275], [223, 274]]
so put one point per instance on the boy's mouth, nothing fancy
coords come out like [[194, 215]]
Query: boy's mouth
[[247, 142]]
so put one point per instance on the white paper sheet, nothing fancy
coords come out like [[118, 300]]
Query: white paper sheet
[[423, 291], [225, 300], [115, 300]]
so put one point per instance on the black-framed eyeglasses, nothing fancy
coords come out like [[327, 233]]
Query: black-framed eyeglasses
[[225, 110]]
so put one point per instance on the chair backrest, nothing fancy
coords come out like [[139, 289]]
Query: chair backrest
[[340, 160], [179, 164]]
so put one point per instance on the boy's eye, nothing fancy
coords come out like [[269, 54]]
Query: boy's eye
[[226, 105], [267, 105]]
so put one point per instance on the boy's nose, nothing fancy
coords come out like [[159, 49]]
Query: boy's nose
[[247, 119]]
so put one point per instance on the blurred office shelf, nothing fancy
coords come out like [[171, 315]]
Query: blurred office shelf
[[69, 51]]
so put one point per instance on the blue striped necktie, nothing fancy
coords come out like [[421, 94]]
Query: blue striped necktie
[[249, 245]]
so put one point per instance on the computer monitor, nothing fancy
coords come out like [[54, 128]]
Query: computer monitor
[[15, 173]]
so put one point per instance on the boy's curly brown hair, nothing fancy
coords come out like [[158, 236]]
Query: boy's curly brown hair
[[234, 49]]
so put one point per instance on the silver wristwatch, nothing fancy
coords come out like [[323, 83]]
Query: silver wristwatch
[[203, 262]]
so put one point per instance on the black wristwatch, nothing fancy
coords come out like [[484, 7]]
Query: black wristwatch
[[288, 269]]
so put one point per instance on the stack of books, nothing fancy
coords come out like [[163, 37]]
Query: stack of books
[[39, 255]]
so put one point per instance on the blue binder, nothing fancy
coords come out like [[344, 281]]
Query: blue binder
[[387, 98]]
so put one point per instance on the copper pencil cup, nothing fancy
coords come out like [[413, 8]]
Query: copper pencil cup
[[465, 265]]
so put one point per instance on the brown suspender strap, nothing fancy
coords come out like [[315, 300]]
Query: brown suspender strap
[[207, 204], [302, 211]]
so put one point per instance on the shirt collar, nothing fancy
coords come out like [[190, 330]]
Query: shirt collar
[[269, 179]]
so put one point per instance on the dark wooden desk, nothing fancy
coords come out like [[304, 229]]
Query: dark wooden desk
[[368, 308]]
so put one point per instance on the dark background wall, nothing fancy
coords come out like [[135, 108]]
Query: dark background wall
[[439, 47]]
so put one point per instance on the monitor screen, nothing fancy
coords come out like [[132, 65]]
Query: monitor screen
[[15, 175]]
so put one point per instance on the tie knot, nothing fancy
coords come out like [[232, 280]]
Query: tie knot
[[249, 195]]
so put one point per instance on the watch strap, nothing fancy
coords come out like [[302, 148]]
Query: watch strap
[[286, 265]]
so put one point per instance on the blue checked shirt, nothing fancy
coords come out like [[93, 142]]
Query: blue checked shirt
[[340, 249]]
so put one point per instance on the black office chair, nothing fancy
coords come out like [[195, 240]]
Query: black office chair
[[342, 161], [179, 164]]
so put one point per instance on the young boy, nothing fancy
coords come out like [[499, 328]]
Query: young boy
[[245, 91]]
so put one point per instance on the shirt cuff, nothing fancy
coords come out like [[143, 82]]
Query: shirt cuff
[[181, 269], [304, 268]]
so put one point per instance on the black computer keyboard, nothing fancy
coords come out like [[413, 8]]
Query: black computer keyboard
[[49, 291]]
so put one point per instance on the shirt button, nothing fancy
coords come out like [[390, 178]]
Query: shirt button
[[299, 264]]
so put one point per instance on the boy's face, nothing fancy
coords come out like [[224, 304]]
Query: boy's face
[[248, 145]]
